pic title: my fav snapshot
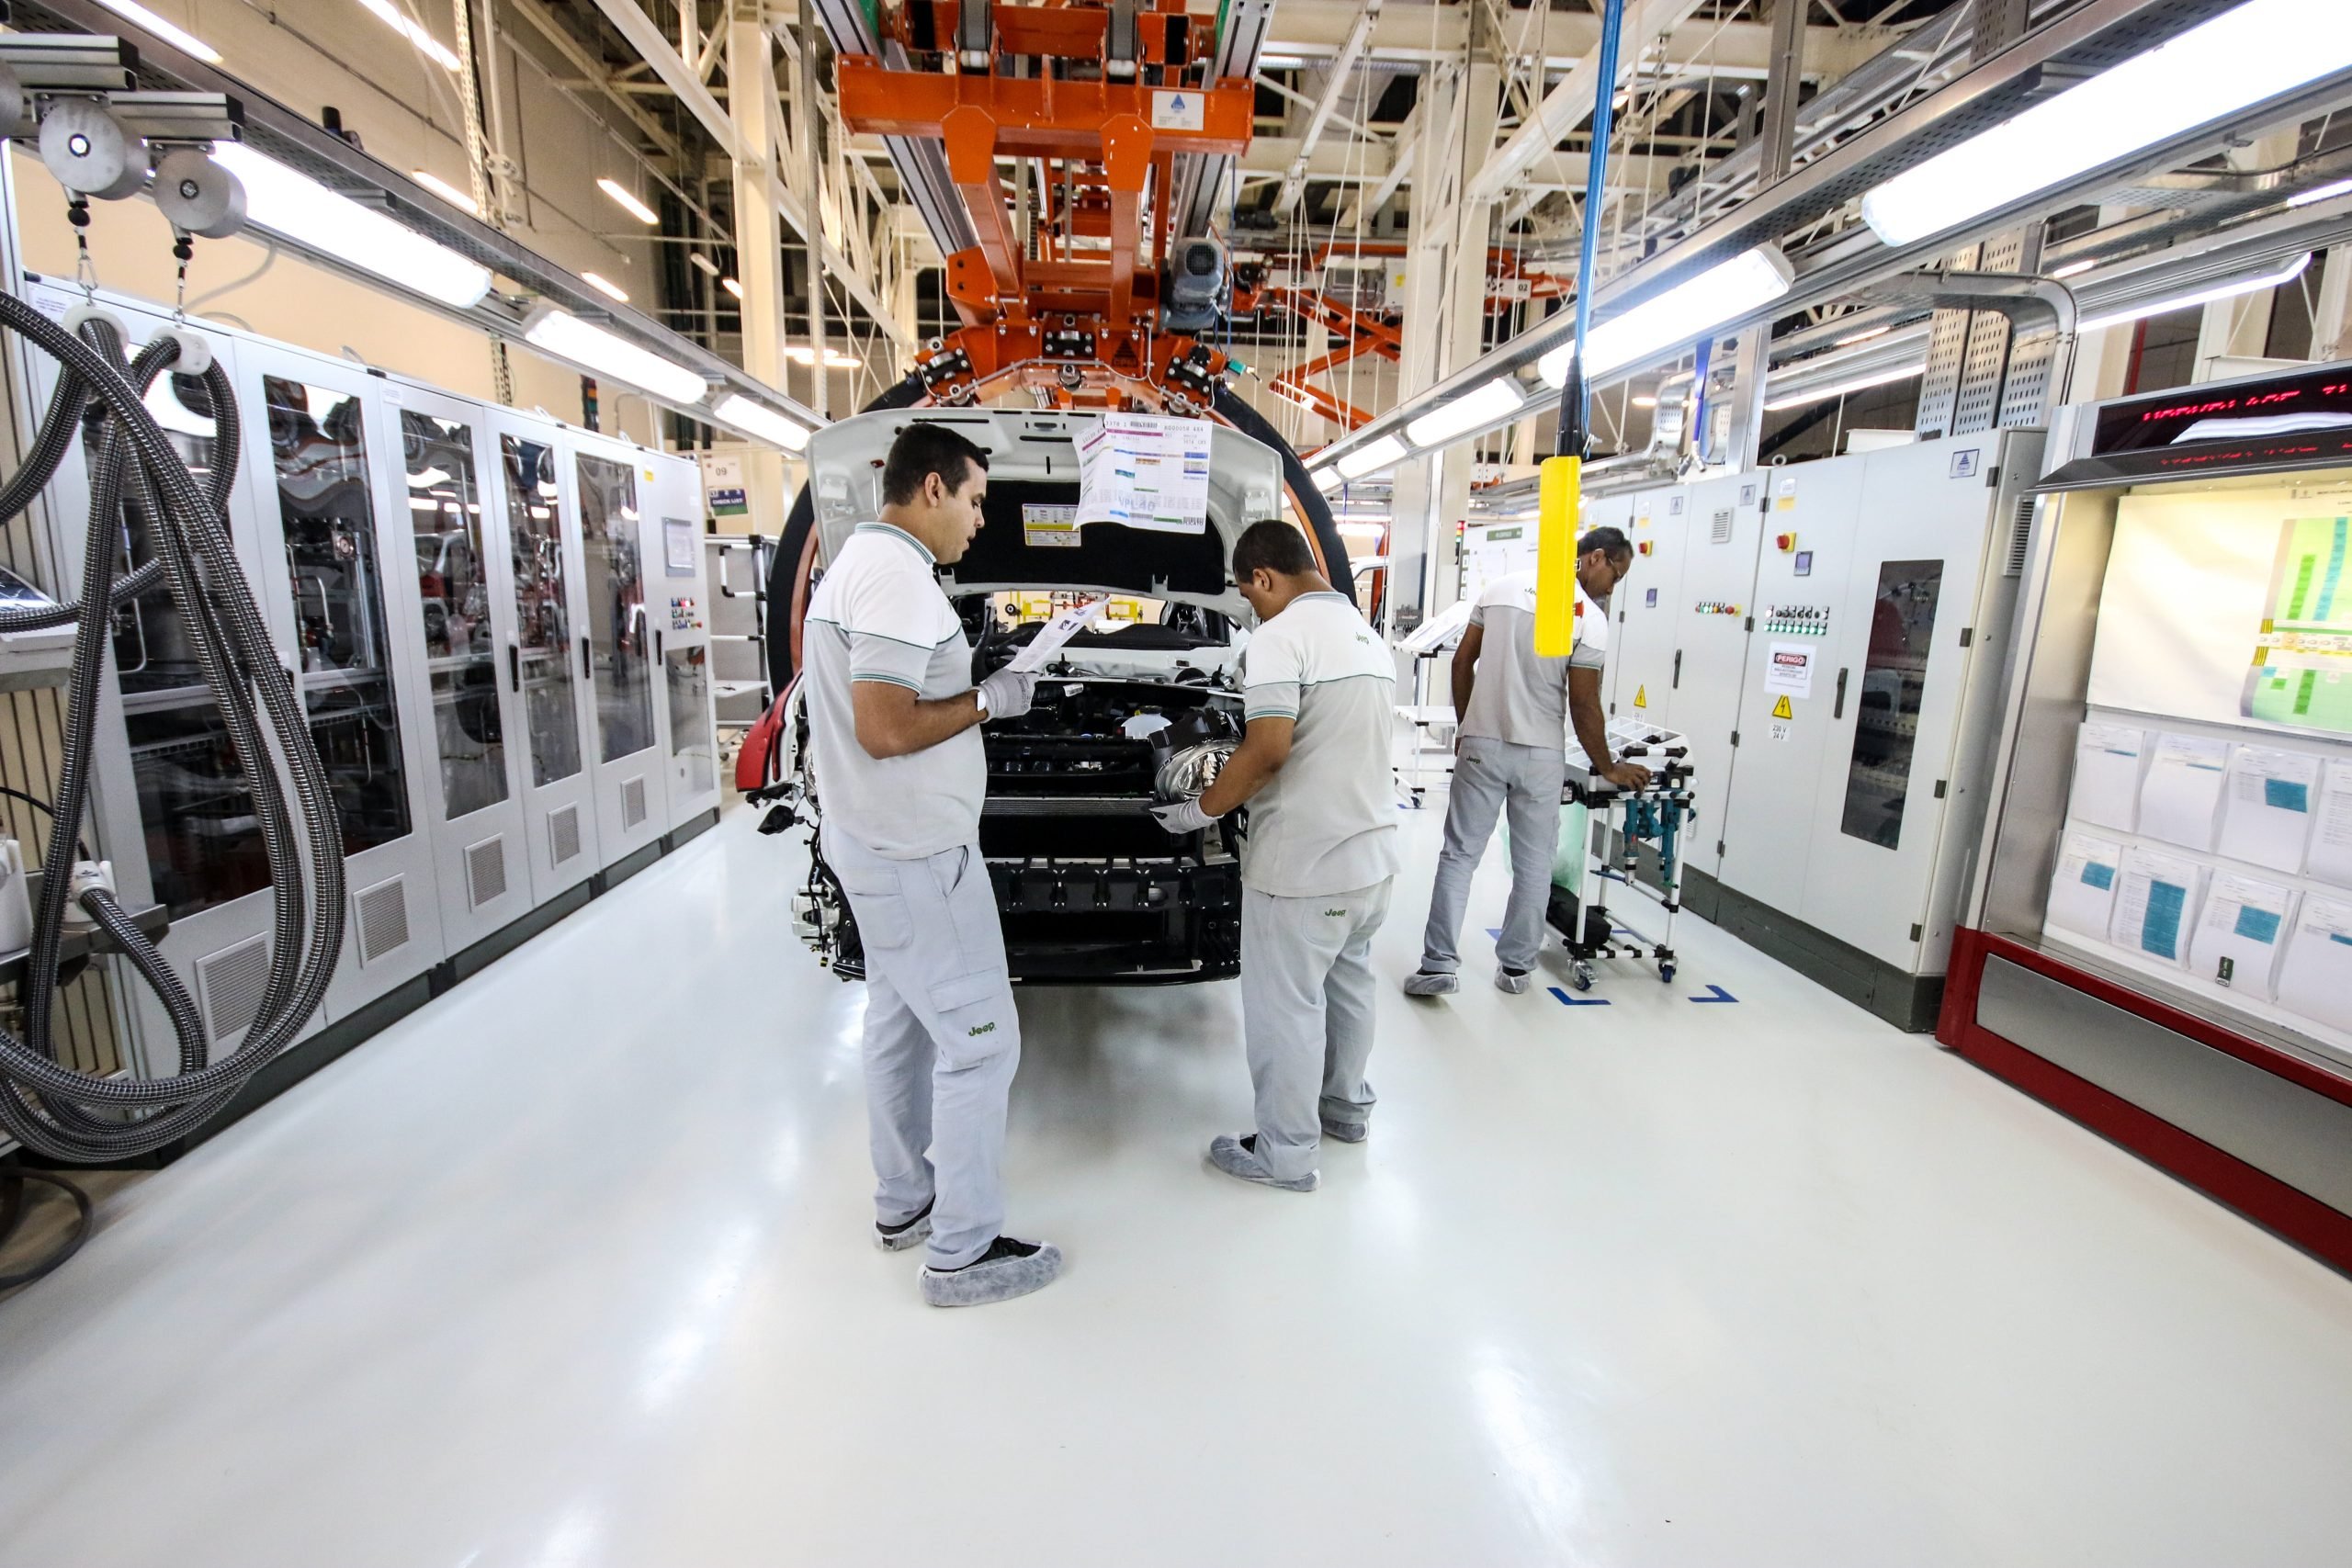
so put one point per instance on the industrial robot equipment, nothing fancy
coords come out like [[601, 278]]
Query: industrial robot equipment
[[1656, 815]]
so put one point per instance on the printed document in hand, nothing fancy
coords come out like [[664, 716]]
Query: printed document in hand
[[2155, 904], [2107, 763], [2267, 813], [1145, 472], [2240, 932], [2331, 856], [2180, 800], [2082, 891], [2315, 978], [1055, 633]]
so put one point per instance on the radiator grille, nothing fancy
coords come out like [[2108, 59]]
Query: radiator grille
[[230, 984], [486, 870], [563, 834], [2020, 536], [383, 918], [633, 802]]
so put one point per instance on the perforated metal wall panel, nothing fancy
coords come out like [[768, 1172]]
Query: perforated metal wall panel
[[1947, 351]]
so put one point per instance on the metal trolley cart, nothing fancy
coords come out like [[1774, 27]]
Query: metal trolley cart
[[1655, 816]]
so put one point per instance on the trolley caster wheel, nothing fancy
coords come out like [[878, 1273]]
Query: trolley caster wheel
[[1665, 974], [1580, 977]]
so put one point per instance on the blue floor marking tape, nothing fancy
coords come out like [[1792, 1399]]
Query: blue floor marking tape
[[1720, 995], [1578, 1002]]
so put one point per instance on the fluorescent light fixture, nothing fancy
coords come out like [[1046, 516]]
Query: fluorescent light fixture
[[2257, 51], [626, 199], [801, 353], [1646, 401], [391, 15], [1365, 459], [1328, 479], [731, 286], [1726, 292], [1859, 384], [1868, 333], [708, 266], [2272, 279], [1496, 400], [757, 419], [140, 16], [606, 286], [1364, 530], [565, 336], [302, 211], [2319, 193], [1281, 61], [2075, 270], [445, 190]]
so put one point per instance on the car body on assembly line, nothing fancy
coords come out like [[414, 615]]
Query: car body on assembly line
[[1089, 888]]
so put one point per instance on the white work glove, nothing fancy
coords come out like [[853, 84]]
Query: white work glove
[[1183, 816], [1007, 693]]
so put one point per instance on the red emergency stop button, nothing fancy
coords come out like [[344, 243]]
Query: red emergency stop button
[[1785, 542]]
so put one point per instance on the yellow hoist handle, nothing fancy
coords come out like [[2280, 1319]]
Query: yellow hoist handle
[[1557, 496]]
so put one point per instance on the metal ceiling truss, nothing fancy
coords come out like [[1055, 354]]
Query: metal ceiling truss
[[287, 136], [2089, 39]]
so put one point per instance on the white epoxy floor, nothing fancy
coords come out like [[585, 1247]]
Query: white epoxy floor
[[570, 1269]]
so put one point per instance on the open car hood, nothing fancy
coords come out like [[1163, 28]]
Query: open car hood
[[1033, 463]]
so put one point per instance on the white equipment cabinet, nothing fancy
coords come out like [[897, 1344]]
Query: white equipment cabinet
[[534, 485], [1642, 661], [1792, 685], [453, 585], [341, 590], [1709, 654]]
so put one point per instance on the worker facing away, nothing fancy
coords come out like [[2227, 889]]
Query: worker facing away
[[894, 730], [1514, 709], [1313, 766]]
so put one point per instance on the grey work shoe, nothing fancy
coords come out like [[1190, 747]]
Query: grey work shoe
[[1008, 1269], [1346, 1131], [1429, 982], [1511, 981], [900, 1236], [1238, 1156]]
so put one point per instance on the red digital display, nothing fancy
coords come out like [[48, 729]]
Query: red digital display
[[2310, 403]]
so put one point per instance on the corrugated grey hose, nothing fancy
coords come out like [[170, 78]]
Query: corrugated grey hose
[[44, 1104]]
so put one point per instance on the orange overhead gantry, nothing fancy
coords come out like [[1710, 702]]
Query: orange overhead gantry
[[1103, 97]]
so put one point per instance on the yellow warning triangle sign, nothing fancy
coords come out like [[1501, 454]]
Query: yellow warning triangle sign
[[1641, 696], [1782, 709]]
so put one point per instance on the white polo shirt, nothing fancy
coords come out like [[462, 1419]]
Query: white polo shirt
[[1327, 822], [1519, 697], [880, 615]]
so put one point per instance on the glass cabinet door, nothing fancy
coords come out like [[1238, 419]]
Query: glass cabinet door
[[195, 805], [617, 617], [453, 585], [319, 451], [542, 608], [1886, 716]]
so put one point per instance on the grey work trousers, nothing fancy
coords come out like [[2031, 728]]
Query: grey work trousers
[[941, 1040], [1488, 775], [1306, 1001]]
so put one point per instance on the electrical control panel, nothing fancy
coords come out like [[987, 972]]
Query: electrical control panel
[[1795, 620], [685, 615]]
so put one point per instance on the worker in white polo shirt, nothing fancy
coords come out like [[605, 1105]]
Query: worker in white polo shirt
[[1313, 766], [895, 743], [1515, 708]]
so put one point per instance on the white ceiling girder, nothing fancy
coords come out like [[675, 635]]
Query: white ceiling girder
[[1337, 82], [1407, 32], [1569, 105], [681, 79]]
